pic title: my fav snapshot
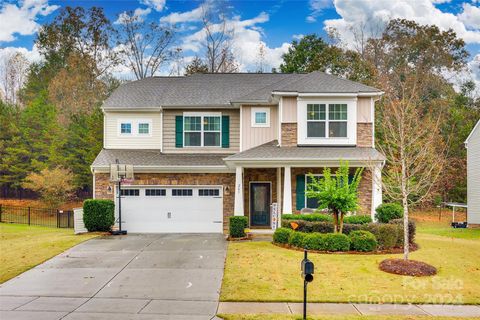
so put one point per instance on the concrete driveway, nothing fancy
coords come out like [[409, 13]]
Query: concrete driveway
[[158, 276]]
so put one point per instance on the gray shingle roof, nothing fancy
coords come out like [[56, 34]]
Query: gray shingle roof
[[222, 89], [271, 151], [156, 158]]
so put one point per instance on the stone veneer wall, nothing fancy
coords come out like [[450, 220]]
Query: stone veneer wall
[[364, 189], [364, 134], [289, 135], [102, 181], [258, 175]]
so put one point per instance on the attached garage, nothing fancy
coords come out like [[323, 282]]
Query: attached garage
[[168, 209]]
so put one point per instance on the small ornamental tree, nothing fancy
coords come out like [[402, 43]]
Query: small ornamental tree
[[336, 193], [55, 186]]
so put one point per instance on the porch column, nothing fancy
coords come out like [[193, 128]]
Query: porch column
[[376, 188], [287, 191], [279, 196], [238, 208]]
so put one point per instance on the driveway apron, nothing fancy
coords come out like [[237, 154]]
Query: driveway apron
[[138, 276]]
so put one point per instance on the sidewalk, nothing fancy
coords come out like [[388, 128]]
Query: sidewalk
[[349, 309]]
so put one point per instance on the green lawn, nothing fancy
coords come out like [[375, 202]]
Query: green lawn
[[22, 247], [329, 317], [261, 271], [442, 229]]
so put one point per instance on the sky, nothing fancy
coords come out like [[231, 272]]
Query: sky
[[268, 23]]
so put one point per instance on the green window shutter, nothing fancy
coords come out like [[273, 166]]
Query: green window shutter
[[350, 178], [300, 191], [225, 131], [179, 131]]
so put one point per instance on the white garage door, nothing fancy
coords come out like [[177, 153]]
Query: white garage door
[[158, 209]]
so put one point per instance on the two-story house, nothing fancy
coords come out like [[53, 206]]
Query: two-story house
[[208, 146]]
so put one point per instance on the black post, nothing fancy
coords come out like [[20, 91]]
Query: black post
[[120, 205], [0, 212], [58, 218], [28, 215], [305, 292]]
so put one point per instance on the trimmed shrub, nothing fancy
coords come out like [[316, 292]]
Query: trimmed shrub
[[336, 242], [412, 228], [237, 226], [315, 241], [386, 234], [388, 211], [357, 219], [98, 215], [347, 228], [362, 240], [281, 235], [307, 217], [297, 239], [322, 227]]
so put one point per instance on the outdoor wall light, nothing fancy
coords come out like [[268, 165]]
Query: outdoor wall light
[[227, 190], [109, 189]]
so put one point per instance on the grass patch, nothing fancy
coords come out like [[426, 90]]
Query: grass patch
[[23, 247], [445, 230], [330, 317], [260, 271]]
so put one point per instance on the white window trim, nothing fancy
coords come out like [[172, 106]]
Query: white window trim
[[351, 138], [202, 131], [134, 125], [253, 118]]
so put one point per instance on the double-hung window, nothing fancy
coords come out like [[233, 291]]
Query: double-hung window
[[202, 130], [144, 128], [125, 128], [323, 124]]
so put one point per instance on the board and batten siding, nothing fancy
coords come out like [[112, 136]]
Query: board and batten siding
[[255, 136], [169, 132], [473, 176], [364, 110], [289, 109], [115, 141]]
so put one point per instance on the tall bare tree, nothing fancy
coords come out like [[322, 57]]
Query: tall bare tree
[[13, 71], [219, 34], [145, 46], [261, 53], [415, 151]]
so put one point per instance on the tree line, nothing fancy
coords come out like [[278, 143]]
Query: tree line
[[52, 123]]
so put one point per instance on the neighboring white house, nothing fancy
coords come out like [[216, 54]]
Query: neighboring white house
[[473, 176]]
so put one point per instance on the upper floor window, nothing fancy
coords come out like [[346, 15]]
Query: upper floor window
[[125, 128], [327, 121], [260, 117], [143, 128], [332, 124], [202, 130]]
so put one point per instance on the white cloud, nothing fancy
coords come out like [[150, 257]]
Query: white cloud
[[470, 16], [183, 17], [139, 12], [247, 38], [21, 19], [157, 5], [373, 14], [31, 55], [316, 7]]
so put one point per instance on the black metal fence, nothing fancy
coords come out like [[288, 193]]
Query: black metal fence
[[36, 216]]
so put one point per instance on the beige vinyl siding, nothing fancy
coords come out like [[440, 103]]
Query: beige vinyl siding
[[113, 140], [255, 136], [364, 110], [169, 132], [289, 109], [473, 177]]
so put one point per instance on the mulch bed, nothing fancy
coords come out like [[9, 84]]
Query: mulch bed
[[413, 247], [407, 267]]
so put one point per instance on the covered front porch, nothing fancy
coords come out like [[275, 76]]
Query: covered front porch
[[267, 185]]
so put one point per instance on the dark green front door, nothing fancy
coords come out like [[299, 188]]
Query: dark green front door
[[260, 204]]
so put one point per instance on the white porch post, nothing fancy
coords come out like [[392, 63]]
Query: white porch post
[[238, 208], [287, 191], [279, 196], [376, 188]]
